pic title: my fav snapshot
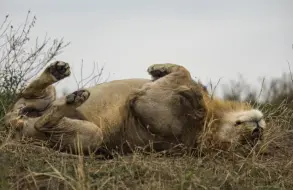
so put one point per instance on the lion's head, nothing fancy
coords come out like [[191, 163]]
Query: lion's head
[[243, 126], [233, 123]]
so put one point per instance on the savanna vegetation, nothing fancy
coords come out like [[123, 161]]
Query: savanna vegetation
[[25, 167]]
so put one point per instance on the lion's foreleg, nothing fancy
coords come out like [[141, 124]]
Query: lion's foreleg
[[195, 117], [172, 105], [177, 73]]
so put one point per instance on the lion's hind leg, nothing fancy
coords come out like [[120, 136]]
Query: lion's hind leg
[[55, 72], [40, 93], [36, 97], [70, 134]]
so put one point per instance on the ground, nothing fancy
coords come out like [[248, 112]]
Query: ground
[[27, 168]]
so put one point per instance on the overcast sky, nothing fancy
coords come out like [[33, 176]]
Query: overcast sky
[[213, 39]]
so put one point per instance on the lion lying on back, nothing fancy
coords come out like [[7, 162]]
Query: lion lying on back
[[121, 115]]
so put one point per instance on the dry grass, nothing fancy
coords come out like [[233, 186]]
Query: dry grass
[[25, 167]]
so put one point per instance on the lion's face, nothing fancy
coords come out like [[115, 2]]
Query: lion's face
[[242, 127]]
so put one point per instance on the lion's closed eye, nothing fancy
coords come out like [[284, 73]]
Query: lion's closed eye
[[238, 122]]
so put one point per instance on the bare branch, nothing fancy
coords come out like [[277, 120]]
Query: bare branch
[[92, 79], [21, 58]]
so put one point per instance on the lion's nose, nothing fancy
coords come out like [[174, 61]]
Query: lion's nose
[[257, 133]]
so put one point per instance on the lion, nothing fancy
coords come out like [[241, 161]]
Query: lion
[[167, 110]]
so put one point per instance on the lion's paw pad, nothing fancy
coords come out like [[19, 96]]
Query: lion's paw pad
[[59, 69], [160, 70], [77, 97]]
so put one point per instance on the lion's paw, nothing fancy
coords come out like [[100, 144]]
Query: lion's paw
[[160, 70], [78, 97], [59, 70]]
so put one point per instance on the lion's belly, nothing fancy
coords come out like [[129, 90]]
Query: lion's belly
[[105, 102]]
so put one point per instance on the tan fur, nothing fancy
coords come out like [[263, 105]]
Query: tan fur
[[122, 115]]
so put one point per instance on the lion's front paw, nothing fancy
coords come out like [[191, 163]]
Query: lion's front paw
[[59, 70], [161, 70], [78, 97]]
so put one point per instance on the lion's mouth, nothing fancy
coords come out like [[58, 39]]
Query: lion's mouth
[[252, 137], [257, 133]]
